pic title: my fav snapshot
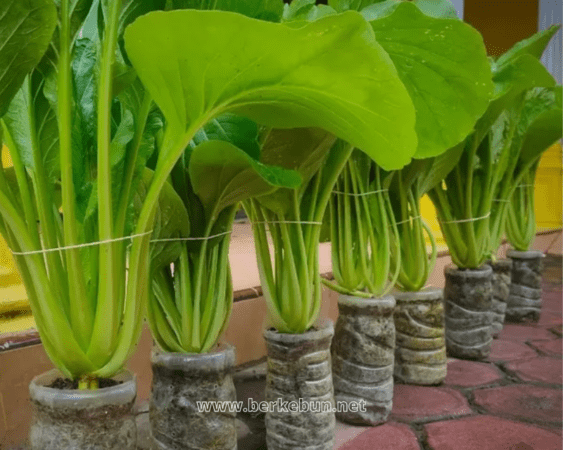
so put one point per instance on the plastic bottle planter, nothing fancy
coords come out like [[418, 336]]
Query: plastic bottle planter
[[420, 354], [86, 420], [524, 301], [299, 373], [363, 357], [180, 380], [501, 289], [468, 297]]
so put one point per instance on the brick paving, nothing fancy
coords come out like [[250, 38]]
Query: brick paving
[[471, 374], [512, 401]]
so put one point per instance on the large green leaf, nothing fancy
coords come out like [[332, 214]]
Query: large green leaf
[[443, 64], [26, 28], [223, 175], [330, 74], [270, 10]]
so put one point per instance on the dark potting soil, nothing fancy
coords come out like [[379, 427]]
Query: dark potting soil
[[68, 384]]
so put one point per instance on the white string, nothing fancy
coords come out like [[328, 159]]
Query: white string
[[361, 194], [89, 244], [408, 220], [290, 221], [474, 219], [205, 238]]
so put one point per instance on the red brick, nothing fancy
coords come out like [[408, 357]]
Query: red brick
[[551, 347], [390, 436], [502, 350], [424, 402], [523, 333], [558, 330], [469, 373], [489, 433], [550, 318], [543, 369], [522, 402], [551, 301]]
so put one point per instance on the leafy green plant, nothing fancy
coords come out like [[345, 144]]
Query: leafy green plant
[[79, 130], [190, 305], [405, 191], [378, 236], [521, 217], [471, 202], [540, 126]]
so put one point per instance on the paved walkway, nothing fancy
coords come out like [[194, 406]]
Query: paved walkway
[[510, 402]]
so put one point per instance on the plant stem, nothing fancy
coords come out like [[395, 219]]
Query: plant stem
[[80, 313], [106, 321]]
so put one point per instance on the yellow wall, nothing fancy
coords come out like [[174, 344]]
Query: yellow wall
[[549, 189], [5, 255]]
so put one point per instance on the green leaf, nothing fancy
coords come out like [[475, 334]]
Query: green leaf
[[511, 80], [439, 9], [303, 150], [439, 167], [131, 9], [223, 175], [355, 5], [443, 64], [79, 10], [305, 10], [541, 123], [534, 46], [270, 10], [28, 109], [26, 28], [330, 73], [171, 221], [84, 148], [239, 131]]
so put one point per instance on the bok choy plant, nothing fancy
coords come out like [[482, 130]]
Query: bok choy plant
[[405, 191], [378, 237], [471, 202], [326, 75], [190, 305], [79, 130], [540, 126]]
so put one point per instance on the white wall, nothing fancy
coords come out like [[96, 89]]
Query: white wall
[[459, 7], [549, 14]]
